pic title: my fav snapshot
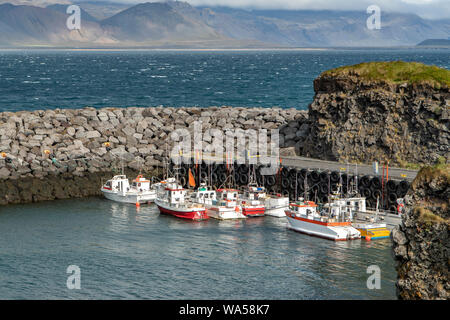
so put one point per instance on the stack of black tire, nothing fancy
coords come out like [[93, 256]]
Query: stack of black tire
[[291, 182]]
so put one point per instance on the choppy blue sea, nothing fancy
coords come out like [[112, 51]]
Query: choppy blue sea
[[73, 79]]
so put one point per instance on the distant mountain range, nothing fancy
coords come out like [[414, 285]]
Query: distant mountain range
[[435, 43], [175, 24]]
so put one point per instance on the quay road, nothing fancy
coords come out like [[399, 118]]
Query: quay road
[[321, 165], [362, 169]]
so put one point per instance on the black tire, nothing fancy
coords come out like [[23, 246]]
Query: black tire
[[365, 181], [293, 173], [243, 179], [243, 168], [260, 180], [203, 176], [403, 188], [183, 182], [375, 183], [314, 176], [334, 177], [285, 172], [392, 185], [324, 176], [392, 198], [285, 183], [302, 173], [222, 177], [365, 192], [270, 180], [376, 193], [344, 178]]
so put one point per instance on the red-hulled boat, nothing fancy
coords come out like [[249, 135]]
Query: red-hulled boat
[[173, 202], [250, 203]]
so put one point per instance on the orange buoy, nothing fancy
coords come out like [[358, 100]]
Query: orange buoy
[[368, 238], [138, 204]]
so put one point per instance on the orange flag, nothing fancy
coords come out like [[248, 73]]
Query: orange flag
[[191, 178]]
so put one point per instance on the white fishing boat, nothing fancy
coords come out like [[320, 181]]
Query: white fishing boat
[[276, 205], [119, 189], [220, 205], [303, 217], [225, 206]]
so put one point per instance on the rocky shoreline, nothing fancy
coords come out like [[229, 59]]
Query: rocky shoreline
[[421, 244]]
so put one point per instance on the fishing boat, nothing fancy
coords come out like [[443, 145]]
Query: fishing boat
[[372, 231], [250, 201], [304, 217], [119, 189], [220, 205], [173, 201], [374, 227], [275, 205]]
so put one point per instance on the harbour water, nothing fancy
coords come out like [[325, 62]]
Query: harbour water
[[129, 253]]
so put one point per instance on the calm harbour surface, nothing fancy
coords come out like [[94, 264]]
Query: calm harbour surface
[[129, 253]]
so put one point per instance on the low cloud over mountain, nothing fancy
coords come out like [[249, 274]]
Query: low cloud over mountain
[[178, 24]]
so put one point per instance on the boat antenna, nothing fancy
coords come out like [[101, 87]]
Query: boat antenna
[[296, 177], [305, 186], [329, 186], [347, 191]]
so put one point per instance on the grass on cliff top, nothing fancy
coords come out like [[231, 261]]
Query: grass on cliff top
[[428, 173], [397, 72]]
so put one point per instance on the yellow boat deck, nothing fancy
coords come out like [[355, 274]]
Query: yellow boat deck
[[374, 233]]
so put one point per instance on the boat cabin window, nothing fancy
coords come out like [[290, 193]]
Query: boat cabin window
[[108, 184], [206, 196]]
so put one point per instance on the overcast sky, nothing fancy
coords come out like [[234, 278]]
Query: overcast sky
[[434, 9]]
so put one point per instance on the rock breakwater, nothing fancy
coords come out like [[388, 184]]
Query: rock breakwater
[[65, 153]]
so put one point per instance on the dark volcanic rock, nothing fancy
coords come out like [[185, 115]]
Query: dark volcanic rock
[[352, 119], [421, 244]]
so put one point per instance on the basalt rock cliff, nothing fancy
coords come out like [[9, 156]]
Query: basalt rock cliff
[[421, 244], [363, 119]]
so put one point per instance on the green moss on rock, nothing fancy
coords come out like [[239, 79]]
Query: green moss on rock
[[396, 72]]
